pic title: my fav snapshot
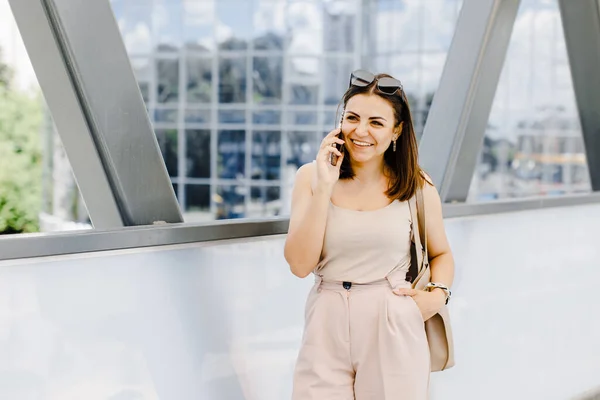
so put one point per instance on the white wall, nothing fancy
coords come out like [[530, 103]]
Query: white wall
[[224, 320]]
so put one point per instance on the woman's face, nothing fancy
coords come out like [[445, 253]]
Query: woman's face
[[368, 127]]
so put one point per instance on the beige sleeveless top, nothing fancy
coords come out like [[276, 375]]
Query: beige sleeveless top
[[365, 246]]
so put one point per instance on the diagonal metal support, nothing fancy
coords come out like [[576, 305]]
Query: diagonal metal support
[[84, 71], [581, 24], [458, 117]]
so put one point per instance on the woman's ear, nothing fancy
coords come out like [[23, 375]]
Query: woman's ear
[[398, 130]]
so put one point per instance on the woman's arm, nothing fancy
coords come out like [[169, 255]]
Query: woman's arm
[[308, 218], [440, 254]]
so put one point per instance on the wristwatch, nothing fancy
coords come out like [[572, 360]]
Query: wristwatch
[[433, 285]]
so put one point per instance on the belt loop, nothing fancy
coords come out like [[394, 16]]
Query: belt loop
[[387, 277], [318, 282]]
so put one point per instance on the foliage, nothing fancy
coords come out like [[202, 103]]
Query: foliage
[[20, 160]]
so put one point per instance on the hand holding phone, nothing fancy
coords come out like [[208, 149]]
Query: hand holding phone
[[333, 158]]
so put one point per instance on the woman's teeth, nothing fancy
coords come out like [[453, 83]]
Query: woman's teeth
[[361, 144]]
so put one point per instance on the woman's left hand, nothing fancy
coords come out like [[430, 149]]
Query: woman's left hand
[[429, 303]]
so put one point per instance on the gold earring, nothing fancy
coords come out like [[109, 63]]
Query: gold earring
[[394, 148]]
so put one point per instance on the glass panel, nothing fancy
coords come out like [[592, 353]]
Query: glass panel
[[302, 148], [199, 80], [267, 79], [168, 25], [235, 24], [232, 154], [533, 144], [197, 198], [267, 117], [230, 202], [302, 117], [269, 24], [198, 116], [339, 25], [264, 201], [232, 116], [398, 25], [135, 24], [304, 80], [336, 79], [331, 119], [167, 140], [305, 27], [165, 115], [232, 80], [438, 24], [167, 71], [198, 153], [266, 155], [198, 25]]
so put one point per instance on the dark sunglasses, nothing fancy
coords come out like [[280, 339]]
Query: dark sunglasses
[[385, 85]]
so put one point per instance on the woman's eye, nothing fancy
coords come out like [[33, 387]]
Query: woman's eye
[[377, 123], [351, 118]]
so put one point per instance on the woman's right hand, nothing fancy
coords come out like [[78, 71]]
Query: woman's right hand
[[328, 174]]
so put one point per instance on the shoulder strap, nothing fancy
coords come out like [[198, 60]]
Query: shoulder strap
[[422, 226]]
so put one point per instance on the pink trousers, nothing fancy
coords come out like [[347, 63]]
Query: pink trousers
[[362, 343]]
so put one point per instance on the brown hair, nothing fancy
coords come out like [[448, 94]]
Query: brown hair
[[403, 168]]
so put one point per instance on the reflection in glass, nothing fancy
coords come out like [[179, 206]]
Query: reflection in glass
[[235, 18], [197, 116], [264, 201], [199, 80], [232, 116], [135, 23], [267, 117], [197, 197], [266, 155], [339, 25], [167, 26], [336, 79], [232, 80], [232, 154], [302, 117], [198, 19], [165, 115], [269, 24], [198, 153], [533, 141], [305, 27], [230, 201], [167, 71], [267, 79], [167, 140], [304, 95], [303, 147]]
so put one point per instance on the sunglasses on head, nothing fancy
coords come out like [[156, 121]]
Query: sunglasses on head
[[385, 85]]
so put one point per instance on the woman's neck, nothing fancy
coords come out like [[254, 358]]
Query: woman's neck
[[369, 172]]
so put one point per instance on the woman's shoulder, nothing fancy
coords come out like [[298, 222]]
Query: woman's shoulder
[[307, 174]]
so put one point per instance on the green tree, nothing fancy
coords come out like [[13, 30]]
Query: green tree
[[20, 158]]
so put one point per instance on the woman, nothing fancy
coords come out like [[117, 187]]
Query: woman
[[350, 224]]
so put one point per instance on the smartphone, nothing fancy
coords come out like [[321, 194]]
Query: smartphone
[[333, 157]]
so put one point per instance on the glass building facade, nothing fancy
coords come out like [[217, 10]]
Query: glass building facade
[[241, 92]]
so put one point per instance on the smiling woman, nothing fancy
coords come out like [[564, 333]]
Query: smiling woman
[[351, 225]]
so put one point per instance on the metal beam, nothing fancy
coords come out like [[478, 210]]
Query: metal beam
[[63, 243], [581, 24], [84, 72], [458, 117]]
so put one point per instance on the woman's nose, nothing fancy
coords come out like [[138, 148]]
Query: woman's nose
[[362, 130]]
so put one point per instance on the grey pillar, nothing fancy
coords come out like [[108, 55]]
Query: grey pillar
[[84, 71], [581, 23], [458, 117]]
